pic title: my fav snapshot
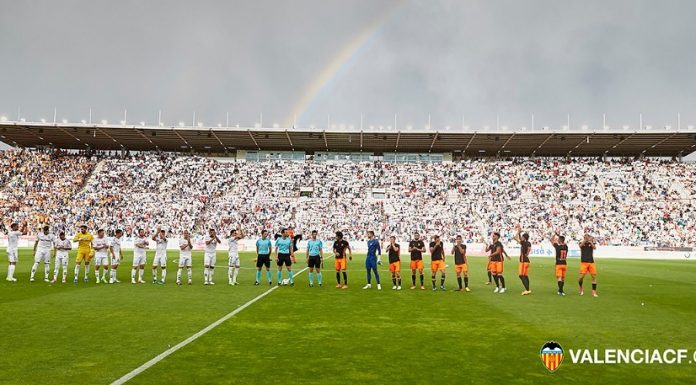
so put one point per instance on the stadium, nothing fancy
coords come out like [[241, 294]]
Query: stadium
[[341, 253]]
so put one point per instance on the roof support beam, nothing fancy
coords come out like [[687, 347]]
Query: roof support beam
[[253, 139], [506, 143], [469, 143], [398, 137], [218, 139], [659, 143], [326, 142], [361, 140], [586, 139], [433, 142], [542, 144], [289, 141], [110, 137], [620, 141], [182, 139]]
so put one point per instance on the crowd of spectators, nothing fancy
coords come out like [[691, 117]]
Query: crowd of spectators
[[619, 202]]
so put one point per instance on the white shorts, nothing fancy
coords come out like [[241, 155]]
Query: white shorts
[[101, 260], [62, 260], [184, 261], [12, 255], [138, 260], [42, 255], [160, 260], [234, 260], [209, 259], [115, 260]]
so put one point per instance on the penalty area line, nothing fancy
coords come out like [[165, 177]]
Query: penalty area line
[[194, 337]]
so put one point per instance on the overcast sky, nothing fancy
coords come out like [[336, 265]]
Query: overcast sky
[[456, 60]]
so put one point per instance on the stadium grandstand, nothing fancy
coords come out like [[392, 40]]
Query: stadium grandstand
[[625, 187]]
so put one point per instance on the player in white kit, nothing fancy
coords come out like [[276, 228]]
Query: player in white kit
[[12, 243], [211, 242], [160, 260], [62, 247], [101, 255], [42, 252], [184, 257], [139, 249], [233, 253], [116, 257]]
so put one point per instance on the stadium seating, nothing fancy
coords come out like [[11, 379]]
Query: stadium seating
[[627, 202]]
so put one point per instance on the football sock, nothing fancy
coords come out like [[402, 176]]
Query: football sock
[[502, 281], [229, 273], [422, 279], [235, 273], [86, 270], [77, 271], [442, 280], [580, 283], [141, 274], [164, 274], [10, 271], [47, 267], [65, 272], [258, 275], [560, 286], [490, 276], [33, 269], [377, 276], [291, 276], [319, 278], [96, 273], [466, 281], [413, 279], [154, 273], [433, 280], [311, 278], [210, 273], [594, 287], [268, 275], [178, 275], [459, 282], [132, 274], [104, 272], [369, 277], [399, 281], [189, 273], [280, 276], [345, 278], [338, 277]]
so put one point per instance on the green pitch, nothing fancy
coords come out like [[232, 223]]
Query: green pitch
[[94, 334]]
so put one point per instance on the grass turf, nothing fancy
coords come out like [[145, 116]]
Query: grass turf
[[94, 334]]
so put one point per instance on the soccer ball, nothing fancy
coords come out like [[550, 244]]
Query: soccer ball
[[285, 282]]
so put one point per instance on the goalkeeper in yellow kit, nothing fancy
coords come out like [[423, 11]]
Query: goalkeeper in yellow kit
[[84, 251]]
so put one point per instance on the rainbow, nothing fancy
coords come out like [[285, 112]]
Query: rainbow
[[340, 61]]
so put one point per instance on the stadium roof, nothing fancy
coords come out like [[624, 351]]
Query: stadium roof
[[589, 142]]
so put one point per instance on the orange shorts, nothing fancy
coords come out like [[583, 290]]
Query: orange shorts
[[561, 271], [524, 268], [340, 264], [437, 265], [489, 266], [496, 267], [461, 268], [395, 266], [588, 267], [417, 265]]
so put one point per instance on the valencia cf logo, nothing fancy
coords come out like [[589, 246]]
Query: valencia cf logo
[[551, 355]]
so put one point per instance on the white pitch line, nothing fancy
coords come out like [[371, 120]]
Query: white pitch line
[[194, 337]]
